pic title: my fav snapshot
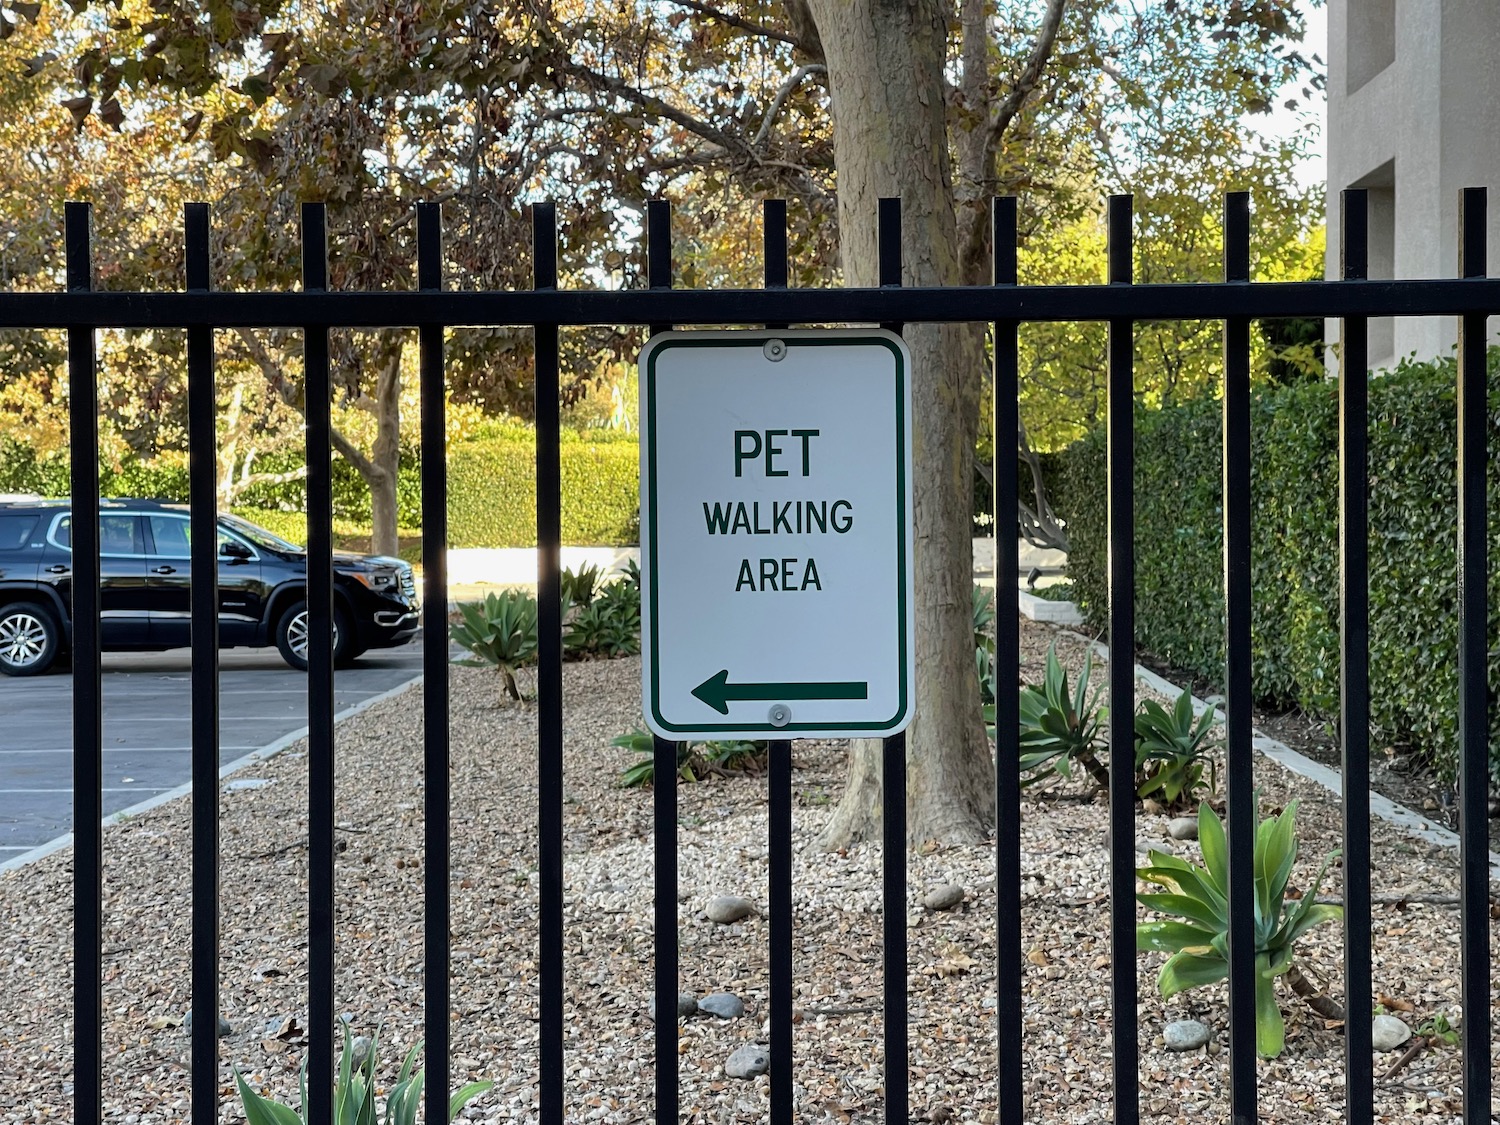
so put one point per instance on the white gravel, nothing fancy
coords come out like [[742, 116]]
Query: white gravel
[[722, 851]]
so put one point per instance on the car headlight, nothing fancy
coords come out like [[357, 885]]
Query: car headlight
[[378, 580]]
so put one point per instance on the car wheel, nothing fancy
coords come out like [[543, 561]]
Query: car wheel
[[29, 639], [292, 636]]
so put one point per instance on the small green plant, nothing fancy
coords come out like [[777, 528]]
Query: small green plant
[[578, 587], [1172, 753], [501, 632], [1437, 1026], [1199, 946], [984, 654], [354, 1092], [694, 759], [983, 606], [609, 626], [1060, 726]]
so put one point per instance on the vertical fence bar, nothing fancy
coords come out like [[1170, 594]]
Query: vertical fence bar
[[779, 796], [88, 718], [1473, 684], [436, 730], [1239, 769], [1006, 670], [893, 798], [1354, 666], [664, 765], [203, 476], [549, 670], [319, 618], [1120, 426]]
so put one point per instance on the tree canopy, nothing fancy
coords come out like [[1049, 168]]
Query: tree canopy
[[372, 105]]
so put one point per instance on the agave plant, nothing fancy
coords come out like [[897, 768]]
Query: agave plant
[[1060, 726], [1172, 753], [501, 632], [354, 1092], [578, 587], [1199, 946]]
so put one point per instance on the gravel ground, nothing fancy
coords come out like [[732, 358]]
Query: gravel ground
[[722, 834]]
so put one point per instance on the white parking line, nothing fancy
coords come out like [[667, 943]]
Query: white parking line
[[162, 796], [106, 789]]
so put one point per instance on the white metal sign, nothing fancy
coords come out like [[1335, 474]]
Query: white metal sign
[[776, 534]]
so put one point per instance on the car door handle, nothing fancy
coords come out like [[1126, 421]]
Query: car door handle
[[57, 569], [164, 570]]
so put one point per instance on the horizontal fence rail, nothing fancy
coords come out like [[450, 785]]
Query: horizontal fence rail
[[1004, 306], [571, 307]]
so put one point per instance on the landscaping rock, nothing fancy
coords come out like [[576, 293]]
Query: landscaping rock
[[945, 897], [748, 1061], [1186, 1035], [1146, 847], [225, 1027], [687, 1005], [359, 1052], [1183, 828], [725, 1005], [1388, 1033], [726, 909]]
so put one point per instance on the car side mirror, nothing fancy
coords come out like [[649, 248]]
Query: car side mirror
[[229, 549]]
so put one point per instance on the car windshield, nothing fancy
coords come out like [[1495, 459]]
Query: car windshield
[[258, 535]]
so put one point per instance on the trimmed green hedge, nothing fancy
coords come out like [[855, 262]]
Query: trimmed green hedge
[[1294, 548], [491, 488], [492, 493]]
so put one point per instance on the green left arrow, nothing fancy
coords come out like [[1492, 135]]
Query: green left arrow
[[717, 691]]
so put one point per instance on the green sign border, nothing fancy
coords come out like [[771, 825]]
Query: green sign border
[[758, 340]]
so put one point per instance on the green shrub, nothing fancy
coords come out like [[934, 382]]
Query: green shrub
[[492, 493], [1294, 548], [694, 759], [1172, 753], [1059, 726], [355, 1090], [491, 487], [501, 632], [1199, 893], [609, 624]]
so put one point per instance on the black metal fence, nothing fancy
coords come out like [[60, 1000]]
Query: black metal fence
[[1236, 301]]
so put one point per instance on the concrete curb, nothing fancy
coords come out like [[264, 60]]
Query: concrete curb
[[1316, 772], [263, 754], [1044, 609]]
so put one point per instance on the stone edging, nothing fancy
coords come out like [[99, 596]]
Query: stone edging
[[1319, 774]]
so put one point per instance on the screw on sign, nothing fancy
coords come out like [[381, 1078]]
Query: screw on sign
[[776, 533]]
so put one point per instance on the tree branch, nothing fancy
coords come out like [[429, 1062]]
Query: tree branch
[[288, 392], [731, 20], [793, 80], [1031, 73], [659, 108]]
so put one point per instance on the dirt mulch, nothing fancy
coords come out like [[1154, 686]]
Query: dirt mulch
[[722, 850]]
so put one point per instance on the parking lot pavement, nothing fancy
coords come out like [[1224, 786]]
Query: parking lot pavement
[[147, 728]]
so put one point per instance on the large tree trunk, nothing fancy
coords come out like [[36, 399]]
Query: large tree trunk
[[885, 65], [386, 452]]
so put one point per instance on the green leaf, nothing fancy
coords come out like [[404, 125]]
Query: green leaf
[[1189, 970], [1214, 847], [1185, 905], [465, 1094], [263, 1111], [1270, 1030], [1173, 937]]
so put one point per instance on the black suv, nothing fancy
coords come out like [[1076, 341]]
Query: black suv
[[145, 599]]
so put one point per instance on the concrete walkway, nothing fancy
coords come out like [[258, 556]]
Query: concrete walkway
[[474, 572]]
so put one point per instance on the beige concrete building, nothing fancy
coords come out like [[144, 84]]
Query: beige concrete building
[[1414, 117]]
